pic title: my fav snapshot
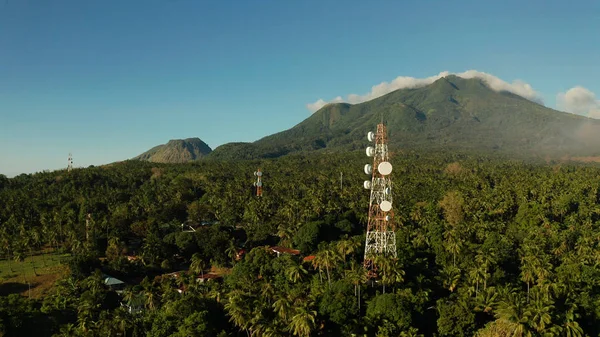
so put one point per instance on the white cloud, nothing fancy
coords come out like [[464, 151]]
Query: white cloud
[[579, 100], [517, 87], [316, 105]]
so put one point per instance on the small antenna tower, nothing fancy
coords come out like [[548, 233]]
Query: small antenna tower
[[88, 217], [258, 183], [381, 239], [70, 163]]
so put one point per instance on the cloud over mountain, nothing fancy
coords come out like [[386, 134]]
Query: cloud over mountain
[[517, 87], [579, 100]]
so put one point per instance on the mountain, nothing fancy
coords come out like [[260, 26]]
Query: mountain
[[177, 151], [450, 114]]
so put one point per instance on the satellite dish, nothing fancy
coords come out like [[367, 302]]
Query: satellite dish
[[388, 190], [254, 172], [254, 183], [384, 168], [367, 184], [368, 169], [385, 206], [387, 218], [259, 173], [370, 151], [371, 136], [259, 184]]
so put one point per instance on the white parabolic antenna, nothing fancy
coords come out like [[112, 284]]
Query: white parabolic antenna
[[259, 184], [385, 168], [387, 218], [254, 172], [388, 190], [371, 136], [368, 169], [367, 184], [370, 151], [259, 173], [385, 206]]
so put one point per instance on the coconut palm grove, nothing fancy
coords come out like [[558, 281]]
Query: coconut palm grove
[[486, 246]]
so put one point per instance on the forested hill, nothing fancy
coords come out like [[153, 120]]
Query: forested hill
[[485, 247], [177, 151], [450, 114]]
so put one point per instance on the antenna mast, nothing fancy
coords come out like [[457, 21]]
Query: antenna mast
[[70, 163], [381, 239], [88, 217], [258, 183]]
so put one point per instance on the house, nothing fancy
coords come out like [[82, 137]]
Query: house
[[135, 305], [112, 282], [207, 277], [175, 274], [283, 250]]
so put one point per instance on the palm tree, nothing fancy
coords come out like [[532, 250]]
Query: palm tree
[[295, 272], [285, 234], [513, 312], [197, 266], [540, 311], [357, 275], [267, 291], [303, 322], [231, 252], [68, 329], [85, 312], [325, 259], [239, 310], [389, 270], [122, 320], [527, 271], [5, 244], [283, 307], [570, 327], [450, 276], [152, 298], [345, 247], [453, 244]]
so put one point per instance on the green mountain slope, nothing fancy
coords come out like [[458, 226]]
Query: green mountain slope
[[450, 114], [176, 151]]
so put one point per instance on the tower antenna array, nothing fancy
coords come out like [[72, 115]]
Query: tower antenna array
[[258, 183], [70, 163], [381, 239]]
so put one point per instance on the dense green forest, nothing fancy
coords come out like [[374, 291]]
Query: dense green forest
[[486, 247]]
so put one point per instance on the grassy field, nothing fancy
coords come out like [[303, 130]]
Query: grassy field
[[34, 276]]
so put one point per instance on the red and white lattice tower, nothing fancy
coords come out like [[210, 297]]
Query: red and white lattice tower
[[258, 183], [381, 239]]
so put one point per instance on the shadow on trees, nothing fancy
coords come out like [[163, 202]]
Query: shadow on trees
[[14, 288]]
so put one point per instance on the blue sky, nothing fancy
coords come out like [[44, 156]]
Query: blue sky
[[107, 80]]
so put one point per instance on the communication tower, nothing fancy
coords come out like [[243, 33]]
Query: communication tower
[[258, 183], [381, 239], [70, 163], [88, 217]]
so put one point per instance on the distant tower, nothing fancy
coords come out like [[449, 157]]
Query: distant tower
[[88, 217], [70, 163], [258, 183], [381, 239]]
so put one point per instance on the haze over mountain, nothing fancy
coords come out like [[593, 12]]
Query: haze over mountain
[[176, 151], [452, 113]]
